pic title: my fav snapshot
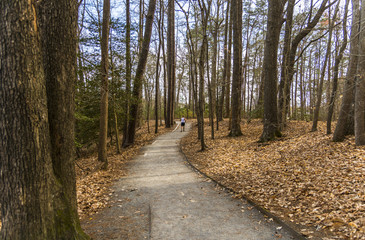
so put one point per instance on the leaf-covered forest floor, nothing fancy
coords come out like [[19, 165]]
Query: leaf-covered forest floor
[[304, 178], [93, 185]]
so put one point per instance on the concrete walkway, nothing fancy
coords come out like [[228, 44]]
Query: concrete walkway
[[163, 198]]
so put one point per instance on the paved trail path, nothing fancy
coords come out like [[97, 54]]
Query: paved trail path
[[163, 198]]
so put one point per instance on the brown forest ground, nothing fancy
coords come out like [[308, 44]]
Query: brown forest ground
[[303, 178]]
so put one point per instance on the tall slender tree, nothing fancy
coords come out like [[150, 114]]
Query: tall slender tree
[[286, 54], [157, 92], [103, 132], [225, 64], [336, 70], [321, 80], [227, 112], [141, 68], [205, 10], [170, 63], [128, 70]]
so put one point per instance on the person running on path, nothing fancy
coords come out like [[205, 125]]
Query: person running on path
[[183, 124]]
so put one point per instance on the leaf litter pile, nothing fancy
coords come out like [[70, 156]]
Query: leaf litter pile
[[304, 178], [93, 185]]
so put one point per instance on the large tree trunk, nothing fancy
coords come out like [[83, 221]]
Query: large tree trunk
[[336, 70], [342, 127], [360, 87], [137, 88], [103, 132], [274, 22], [38, 199], [237, 69], [170, 63], [59, 42], [128, 71]]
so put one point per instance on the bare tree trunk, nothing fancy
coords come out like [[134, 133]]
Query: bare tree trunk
[[274, 22], [139, 74], [103, 132], [335, 72], [212, 85], [225, 65], [157, 96], [128, 74], [293, 50], [284, 66], [227, 112], [164, 64], [360, 86], [114, 105], [210, 93], [204, 15], [320, 86], [38, 72], [342, 127], [170, 63], [237, 69]]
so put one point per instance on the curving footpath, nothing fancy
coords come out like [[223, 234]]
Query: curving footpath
[[163, 198]]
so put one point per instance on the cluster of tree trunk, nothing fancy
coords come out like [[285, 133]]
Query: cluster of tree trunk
[[38, 72], [39, 48]]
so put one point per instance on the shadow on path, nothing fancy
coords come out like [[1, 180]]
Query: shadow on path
[[163, 198]]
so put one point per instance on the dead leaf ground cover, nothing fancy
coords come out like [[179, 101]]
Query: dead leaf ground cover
[[303, 177], [93, 185]]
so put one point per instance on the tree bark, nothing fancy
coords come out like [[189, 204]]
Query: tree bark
[[227, 112], [237, 69], [59, 42], [336, 70], [157, 96], [225, 65], [170, 63], [103, 132], [342, 128], [274, 22], [38, 73], [128, 71], [360, 87], [320, 86], [137, 88], [286, 53], [283, 108]]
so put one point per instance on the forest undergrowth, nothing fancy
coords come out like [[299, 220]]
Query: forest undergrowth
[[310, 182]]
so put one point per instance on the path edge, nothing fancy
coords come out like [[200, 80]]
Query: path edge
[[285, 225]]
